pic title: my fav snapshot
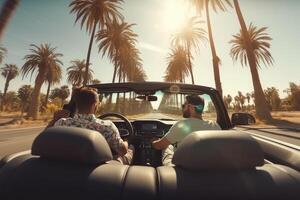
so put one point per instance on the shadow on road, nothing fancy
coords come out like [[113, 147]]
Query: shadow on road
[[279, 123]]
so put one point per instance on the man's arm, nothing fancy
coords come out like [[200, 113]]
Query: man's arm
[[123, 149], [121, 146], [57, 116], [171, 137], [161, 144]]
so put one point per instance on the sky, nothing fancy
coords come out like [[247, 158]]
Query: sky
[[45, 21]]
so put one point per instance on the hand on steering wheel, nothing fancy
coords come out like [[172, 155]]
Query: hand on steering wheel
[[128, 124]]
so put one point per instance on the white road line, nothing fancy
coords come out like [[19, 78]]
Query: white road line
[[275, 140], [18, 129]]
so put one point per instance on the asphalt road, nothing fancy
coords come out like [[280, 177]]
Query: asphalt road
[[289, 136], [20, 139], [17, 139]]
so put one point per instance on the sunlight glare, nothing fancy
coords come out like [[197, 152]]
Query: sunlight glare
[[175, 14]]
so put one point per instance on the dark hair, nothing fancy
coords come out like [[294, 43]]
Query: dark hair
[[85, 97], [71, 106], [197, 101]]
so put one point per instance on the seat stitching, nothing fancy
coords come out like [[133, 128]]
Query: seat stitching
[[124, 177], [158, 183]]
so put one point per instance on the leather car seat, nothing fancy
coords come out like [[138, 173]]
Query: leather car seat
[[73, 163], [225, 165]]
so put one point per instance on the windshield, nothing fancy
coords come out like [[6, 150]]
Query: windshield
[[167, 106]]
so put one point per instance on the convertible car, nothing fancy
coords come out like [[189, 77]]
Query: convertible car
[[74, 163]]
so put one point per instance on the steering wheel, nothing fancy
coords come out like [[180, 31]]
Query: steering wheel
[[122, 117]]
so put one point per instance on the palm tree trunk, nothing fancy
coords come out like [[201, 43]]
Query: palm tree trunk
[[115, 72], [261, 107], [181, 77], [215, 58], [6, 13], [35, 98], [88, 56], [118, 94], [116, 65], [190, 63], [177, 102], [22, 110], [6, 87], [79, 83], [5, 92], [124, 95], [47, 95]]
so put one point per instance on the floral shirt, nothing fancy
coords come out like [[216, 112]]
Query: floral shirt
[[89, 121]]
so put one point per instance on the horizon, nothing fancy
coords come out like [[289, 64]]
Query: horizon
[[38, 22]]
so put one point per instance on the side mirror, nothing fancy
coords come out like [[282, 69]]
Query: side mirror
[[242, 119]]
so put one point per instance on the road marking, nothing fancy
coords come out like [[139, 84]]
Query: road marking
[[18, 129], [275, 140]]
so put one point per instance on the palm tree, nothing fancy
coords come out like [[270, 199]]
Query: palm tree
[[241, 98], [42, 59], [76, 73], [62, 93], [237, 105], [251, 46], [216, 5], [53, 77], [3, 52], [93, 13], [12, 101], [228, 100], [6, 13], [272, 98], [129, 64], [138, 75], [248, 97], [178, 65], [24, 94], [9, 72], [111, 39], [190, 37], [260, 42]]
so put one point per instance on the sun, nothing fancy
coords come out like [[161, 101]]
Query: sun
[[175, 14]]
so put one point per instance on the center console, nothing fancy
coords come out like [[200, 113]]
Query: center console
[[146, 132]]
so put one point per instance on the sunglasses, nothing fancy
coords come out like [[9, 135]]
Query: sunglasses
[[199, 107]]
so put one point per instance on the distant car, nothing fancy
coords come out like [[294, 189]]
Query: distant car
[[74, 163]]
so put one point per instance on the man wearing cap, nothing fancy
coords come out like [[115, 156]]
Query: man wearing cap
[[192, 110]]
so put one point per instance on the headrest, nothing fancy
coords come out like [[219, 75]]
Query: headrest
[[206, 150], [72, 144]]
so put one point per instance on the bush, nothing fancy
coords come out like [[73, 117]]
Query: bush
[[51, 108]]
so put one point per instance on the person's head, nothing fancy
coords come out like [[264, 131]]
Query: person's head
[[193, 106], [86, 100]]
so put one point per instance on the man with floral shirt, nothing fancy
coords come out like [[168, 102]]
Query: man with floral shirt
[[86, 103]]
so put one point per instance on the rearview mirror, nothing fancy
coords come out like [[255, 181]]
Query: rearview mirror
[[147, 98], [242, 119]]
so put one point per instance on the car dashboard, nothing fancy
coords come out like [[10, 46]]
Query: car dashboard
[[145, 131], [146, 128]]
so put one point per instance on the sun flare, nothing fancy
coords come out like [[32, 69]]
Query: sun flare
[[175, 14]]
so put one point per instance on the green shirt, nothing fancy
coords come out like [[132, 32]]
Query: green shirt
[[184, 127]]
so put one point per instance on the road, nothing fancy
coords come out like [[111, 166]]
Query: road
[[17, 139], [20, 139], [290, 136]]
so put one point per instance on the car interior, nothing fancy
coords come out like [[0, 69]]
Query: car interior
[[76, 163]]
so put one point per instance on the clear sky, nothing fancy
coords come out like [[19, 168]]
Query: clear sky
[[49, 21]]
